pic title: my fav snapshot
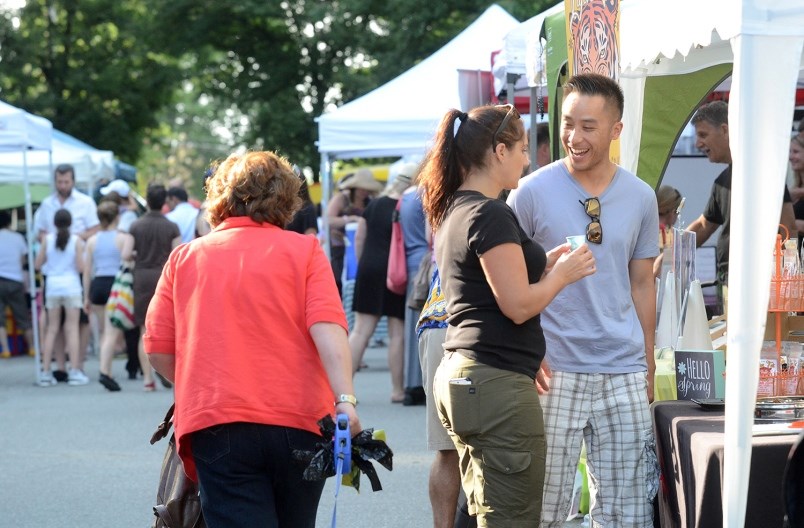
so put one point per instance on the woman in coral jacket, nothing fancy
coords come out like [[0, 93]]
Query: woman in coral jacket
[[248, 324]]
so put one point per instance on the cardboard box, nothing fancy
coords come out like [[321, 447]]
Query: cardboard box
[[792, 327]]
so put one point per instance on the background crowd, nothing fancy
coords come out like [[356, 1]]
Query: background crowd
[[76, 276], [502, 272]]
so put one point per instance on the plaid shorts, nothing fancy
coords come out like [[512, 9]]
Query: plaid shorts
[[610, 412]]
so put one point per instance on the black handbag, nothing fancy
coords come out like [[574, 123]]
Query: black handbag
[[178, 504]]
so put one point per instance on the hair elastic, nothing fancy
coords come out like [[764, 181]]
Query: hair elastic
[[463, 116]]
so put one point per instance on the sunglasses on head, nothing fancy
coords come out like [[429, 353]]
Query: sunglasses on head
[[511, 111], [594, 231]]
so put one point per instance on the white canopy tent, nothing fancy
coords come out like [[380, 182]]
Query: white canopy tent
[[523, 46], [21, 131], [764, 40], [516, 66], [21, 135], [400, 117], [90, 163]]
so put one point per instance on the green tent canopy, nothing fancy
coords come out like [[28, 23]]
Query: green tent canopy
[[12, 195], [669, 102]]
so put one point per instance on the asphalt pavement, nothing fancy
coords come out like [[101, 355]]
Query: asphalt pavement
[[80, 456]]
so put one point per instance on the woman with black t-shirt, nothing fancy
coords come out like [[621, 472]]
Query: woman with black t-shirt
[[496, 281]]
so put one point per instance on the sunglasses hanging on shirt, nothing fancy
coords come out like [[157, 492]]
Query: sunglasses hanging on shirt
[[594, 230]]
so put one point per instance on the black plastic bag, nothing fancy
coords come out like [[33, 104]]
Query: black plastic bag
[[365, 448]]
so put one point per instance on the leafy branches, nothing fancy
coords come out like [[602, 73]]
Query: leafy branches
[[88, 68], [173, 85]]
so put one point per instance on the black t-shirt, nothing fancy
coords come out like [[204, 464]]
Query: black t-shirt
[[304, 219], [477, 327], [718, 211]]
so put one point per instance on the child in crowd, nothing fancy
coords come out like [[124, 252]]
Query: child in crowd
[[61, 260]]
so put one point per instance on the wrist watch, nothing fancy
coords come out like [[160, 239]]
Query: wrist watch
[[346, 398]]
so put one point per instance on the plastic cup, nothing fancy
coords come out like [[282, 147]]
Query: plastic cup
[[576, 241]]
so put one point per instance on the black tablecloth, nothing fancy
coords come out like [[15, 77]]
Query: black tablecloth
[[689, 441]]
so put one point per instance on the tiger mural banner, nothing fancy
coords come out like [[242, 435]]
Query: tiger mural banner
[[593, 43]]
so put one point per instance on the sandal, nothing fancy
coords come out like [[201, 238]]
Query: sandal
[[149, 387], [109, 382]]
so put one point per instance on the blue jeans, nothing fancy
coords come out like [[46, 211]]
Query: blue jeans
[[248, 477]]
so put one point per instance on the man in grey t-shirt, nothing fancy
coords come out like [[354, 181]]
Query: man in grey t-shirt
[[597, 378]]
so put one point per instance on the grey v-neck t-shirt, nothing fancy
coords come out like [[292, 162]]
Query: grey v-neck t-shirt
[[592, 325]]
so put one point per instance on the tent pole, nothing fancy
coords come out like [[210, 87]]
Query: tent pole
[[326, 194], [510, 80], [480, 99], [29, 235], [758, 147]]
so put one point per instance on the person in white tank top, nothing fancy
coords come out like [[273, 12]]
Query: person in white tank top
[[64, 255]]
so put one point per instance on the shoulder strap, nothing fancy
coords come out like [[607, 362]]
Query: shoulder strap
[[163, 428]]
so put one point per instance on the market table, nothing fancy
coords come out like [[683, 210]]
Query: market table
[[664, 380], [689, 442]]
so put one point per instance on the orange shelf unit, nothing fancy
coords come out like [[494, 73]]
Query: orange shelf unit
[[786, 295]]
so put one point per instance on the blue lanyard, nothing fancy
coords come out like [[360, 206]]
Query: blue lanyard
[[342, 446]]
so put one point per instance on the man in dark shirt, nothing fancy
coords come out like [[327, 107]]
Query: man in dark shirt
[[711, 124], [154, 238]]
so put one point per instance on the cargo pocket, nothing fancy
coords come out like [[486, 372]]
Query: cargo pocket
[[651, 465], [506, 481]]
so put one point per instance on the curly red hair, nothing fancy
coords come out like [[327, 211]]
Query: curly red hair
[[260, 185]]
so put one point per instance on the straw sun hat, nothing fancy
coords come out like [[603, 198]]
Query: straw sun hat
[[403, 179], [362, 179]]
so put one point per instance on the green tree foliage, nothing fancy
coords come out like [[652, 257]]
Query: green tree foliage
[[274, 62], [284, 63], [174, 85], [89, 68], [190, 136]]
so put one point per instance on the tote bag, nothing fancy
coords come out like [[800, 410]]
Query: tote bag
[[397, 277], [120, 306], [178, 504], [420, 290]]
